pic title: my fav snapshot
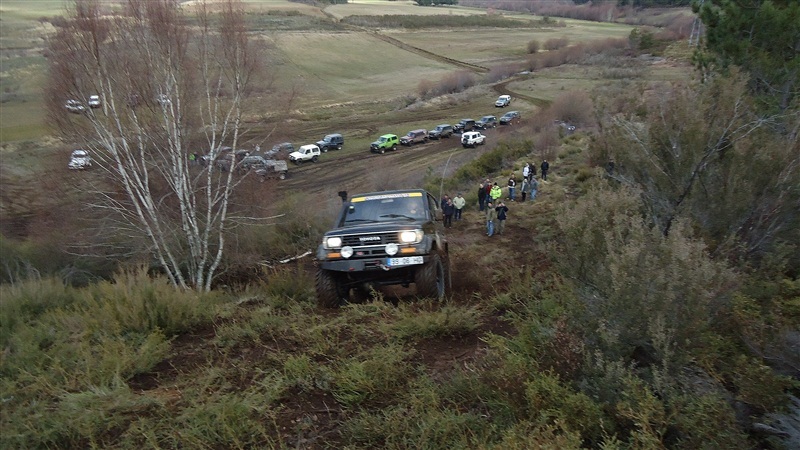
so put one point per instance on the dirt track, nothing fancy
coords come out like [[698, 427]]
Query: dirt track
[[405, 167]]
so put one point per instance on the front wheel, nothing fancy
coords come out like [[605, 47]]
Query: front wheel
[[330, 293], [431, 278], [383, 150], [282, 176]]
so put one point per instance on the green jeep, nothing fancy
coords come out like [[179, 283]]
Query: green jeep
[[385, 142]]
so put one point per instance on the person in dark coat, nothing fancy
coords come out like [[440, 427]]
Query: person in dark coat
[[481, 197], [545, 167], [449, 209], [501, 210]]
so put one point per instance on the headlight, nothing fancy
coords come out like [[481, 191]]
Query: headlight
[[411, 237], [347, 252], [333, 242]]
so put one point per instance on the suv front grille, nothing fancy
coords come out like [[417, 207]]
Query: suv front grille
[[371, 239]]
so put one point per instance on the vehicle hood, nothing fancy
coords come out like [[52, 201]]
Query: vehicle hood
[[296, 155], [381, 227], [321, 143]]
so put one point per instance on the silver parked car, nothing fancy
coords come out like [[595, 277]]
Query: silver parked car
[[79, 159]]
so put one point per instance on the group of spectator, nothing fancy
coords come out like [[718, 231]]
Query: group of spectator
[[452, 207], [490, 199]]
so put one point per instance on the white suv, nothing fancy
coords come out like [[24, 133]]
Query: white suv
[[472, 139], [308, 152]]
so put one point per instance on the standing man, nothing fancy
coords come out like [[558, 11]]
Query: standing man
[[481, 197], [501, 210], [545, 167], [526, 187], [534, 188], [459, 203], [512, 186], [448, 209], [526, 171], [444, 201], [490, 214], [495, 193]]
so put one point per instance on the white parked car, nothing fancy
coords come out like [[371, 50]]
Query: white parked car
[[74, 106], [472, 139], [503, 101], [309, 152], [79, 159], [94, 101]]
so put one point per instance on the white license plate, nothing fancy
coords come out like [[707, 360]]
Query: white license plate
[[405, 261]]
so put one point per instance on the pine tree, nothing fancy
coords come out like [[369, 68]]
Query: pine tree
[[761, 36]]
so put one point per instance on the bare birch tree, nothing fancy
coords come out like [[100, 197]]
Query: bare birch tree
[[173, 86]]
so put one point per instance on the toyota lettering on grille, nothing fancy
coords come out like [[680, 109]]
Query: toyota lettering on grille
[[369, 238]]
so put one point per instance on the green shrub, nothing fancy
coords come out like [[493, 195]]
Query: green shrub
[[375, 377], [448, 321]]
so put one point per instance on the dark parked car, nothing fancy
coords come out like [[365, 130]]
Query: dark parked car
[[333, 141], [464, 125], [509, 118], [444, 130], [414, 137], [485, 122]]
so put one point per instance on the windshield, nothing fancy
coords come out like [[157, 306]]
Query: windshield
[[407, 206]]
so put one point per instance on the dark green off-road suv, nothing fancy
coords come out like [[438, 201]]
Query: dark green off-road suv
[[383, 238]]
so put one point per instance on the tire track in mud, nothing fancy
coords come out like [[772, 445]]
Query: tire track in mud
[[361, 170], [425, 53], [502, 89]]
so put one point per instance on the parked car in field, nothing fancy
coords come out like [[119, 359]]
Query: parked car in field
[[333, 141], [79, 160], [273, 168], [263, 167], [444, 130], [282, 150], [74, 106], [309, 152], [485, 122], [566, 126], [414, 137], [472, 139], [503, 101], [94, 101], [385, 142], [509, 118], [228, 159], [464, 125]]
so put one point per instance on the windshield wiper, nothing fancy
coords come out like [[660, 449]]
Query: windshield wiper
[[359, 220], [393, 216]]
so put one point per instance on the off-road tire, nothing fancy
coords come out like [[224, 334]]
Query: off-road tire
[[282, 176], [330, 293], [324, 149], [431, 278], [394, 148], [383, 150], [314, 158], [338, 147]]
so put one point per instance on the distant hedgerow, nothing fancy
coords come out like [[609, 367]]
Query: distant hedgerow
[[439, 21]]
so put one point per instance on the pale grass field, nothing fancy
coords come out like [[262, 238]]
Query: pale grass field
[[348, 73], [352, 67]]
